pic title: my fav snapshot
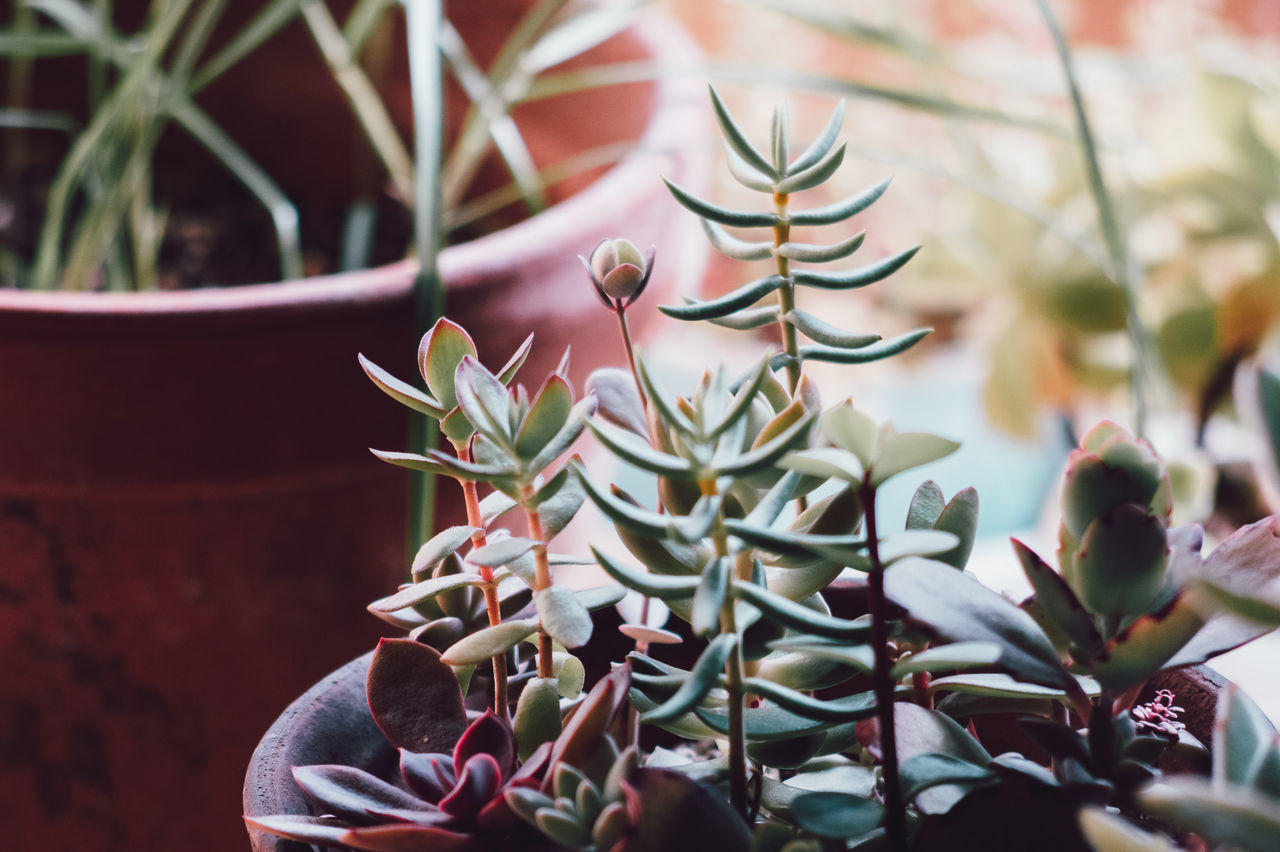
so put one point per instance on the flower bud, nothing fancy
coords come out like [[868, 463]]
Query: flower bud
[[619, 272]]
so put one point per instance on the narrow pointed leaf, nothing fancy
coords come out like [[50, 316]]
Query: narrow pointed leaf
[[671, 416], [630, 448], [797, 616], [1004, 686], [841, 210], [767, 454], [351, 793], [402, 392], [817, 174], [779, 147], [741, 403], [320, 831], [517, 359], [744, 297], [485, 402], [854, 278], [652, 585], [849, 708], [737, 139], [827, 334], [709, 599], [820, 146], [743, 320], [412, 461], [702, 679], [864, 355], [743, 173], [731, 246], [562, 440], [600, 597], [721, 215], [1235, 817], [858, 657]]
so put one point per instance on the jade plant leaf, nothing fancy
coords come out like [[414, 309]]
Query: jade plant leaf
[[958, 607], [1146, 645], [563, 616], [922, 772], [405, 676], [837, 815], [486, 643], [1231, 816], [959, 655], [425, 590], [546, 417], [439, 354], [401, 391]]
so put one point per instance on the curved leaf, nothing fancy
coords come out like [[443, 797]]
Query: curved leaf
[[630, 448], [797, 616], [563, 616], [837, 815], [489, 642], [816, 174], [709, 599], [702, 679], [743, 297], [905, 450], [402, 392], [722, 215], [853, 278], [865, 355], [737, 139], [731, 246], [923, 771], [827, 334], [650, 585], [427, 589], [848, 708], [819, 147], [841, 210]]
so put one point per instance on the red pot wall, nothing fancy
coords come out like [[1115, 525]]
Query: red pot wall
[[190, 522]]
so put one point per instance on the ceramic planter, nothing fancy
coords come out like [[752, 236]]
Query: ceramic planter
[[190, 522]]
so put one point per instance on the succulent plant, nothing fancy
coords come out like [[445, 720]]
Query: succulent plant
[[830, 731]]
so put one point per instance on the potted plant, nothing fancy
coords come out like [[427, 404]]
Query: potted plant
[[936, 710], [166, 506]]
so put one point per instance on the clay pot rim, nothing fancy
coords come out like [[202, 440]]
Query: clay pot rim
[[674, 110]]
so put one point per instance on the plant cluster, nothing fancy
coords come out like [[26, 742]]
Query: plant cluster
[[833, 727]]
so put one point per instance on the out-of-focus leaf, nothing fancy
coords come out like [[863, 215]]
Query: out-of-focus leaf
[[1004, 686], [1146, 645], [959, 655], [1232, 816], [836, 815], [903, 451]]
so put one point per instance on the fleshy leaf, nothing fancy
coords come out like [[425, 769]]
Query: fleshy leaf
[[722, 215], [441, 350], [702, 679], [537, 718], [816, 174], [351, 793], [905, 450], [924, 771], [709, 598], [959, 608], [958, 655], [488, 642], [501, 552], [1146, 645], [837, 815], [671, 811], [841, 210], [404, 676], [1234, 817], [563, 616], [828, 334], [651, 585], [1058, 601], [731, 246], [852, 279], [427, 589], [402, 392], [547, 416], [737, 139], [743, 297]]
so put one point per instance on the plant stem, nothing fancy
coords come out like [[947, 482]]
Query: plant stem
[[542, 577], [471, 497], [738, 796], [786, 293], [631, 356], [895, 813]]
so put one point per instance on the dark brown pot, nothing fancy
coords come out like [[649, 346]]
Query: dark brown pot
[[190, 522]]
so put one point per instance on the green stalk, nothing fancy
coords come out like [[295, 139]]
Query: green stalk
[[423, 21], [1112, 233], [734, 674], [786, 293], [895, 811]]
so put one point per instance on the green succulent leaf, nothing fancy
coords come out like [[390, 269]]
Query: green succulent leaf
[[926, 506], [956, 606], [819, 173], [412, 461], [824, 142], [814, 253], [1058, 601], [1264, 612], [441, 351], [651, 585], [721, 215], [402, 392], [709, 599], [780, 146], [562, 440], [743, 320], [741, 403], [799, 617], [630, 448], [795, 544], [1142, 648], [426, 590], [1234, 817], [1243, 737], [849, 708], [863, 355], [537, 717], [858, 657], [767, 454], [925, 771], [731, 246], [600, 597], [841, 210], [737, 139], [953, 657], [916, 543], [563, 616], [489, 642], [827, 334], [854, 278], [906, 450], [1107, 832], [837, 815], [517, 359], [501, 552], [547, 416], [702, 679], [743, 297], [670, 414], [557, 509], [744, 174], [485, 402], [439, 546], [1000, 685]]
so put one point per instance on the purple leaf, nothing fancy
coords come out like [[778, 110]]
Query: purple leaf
[[349, 792], [672, 811], [425, 814], [414, 697], [431, 776], [487, 735], [582, 732], [323, 831], [408, 838], [477, 784]]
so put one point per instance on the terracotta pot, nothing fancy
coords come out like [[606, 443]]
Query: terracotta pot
[[190, 522]]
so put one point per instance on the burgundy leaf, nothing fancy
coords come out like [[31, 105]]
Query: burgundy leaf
[[349, 792], [425, 814], [487, 735], [414, 697], [583, 731], [670, 811], [478, 783], [322, 831], [408, 838], [431, 776], [497, 815]]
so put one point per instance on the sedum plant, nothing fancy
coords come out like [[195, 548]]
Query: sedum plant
[[790, 719]]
